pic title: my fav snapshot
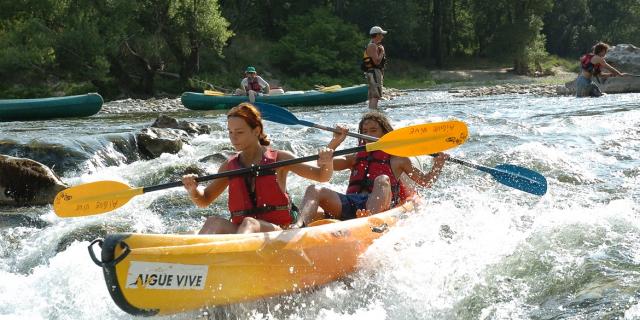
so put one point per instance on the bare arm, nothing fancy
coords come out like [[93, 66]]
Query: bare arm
[[425, 180], [340, 163], [376, 53], [265, 85], [202, 197], [321, 172], [614, 71]]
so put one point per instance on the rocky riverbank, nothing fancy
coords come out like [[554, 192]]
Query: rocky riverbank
[[535, 89], [162, 105], [168, 105]]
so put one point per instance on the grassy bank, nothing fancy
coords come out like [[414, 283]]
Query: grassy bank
[[475, 72]]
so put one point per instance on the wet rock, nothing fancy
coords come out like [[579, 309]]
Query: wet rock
[[164, 121], [625, 57], [215, 158], [24, 182], [58, 157], [11, 220], [152, 142], [620, 84], [194, 170]]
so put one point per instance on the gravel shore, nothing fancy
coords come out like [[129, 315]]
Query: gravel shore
[[167, 105], [162, 105]]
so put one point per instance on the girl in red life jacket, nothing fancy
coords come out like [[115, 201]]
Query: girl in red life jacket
[[374, 184], [257, 202]]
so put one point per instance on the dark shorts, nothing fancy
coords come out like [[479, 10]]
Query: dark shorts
[[351, 203]]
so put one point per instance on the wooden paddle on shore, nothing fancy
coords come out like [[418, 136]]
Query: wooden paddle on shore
[[104, 196], [510, 175]]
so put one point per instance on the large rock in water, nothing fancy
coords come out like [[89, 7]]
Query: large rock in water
[[152, 142], [24, 182], [167, 135], [190, 127], [625, 58]]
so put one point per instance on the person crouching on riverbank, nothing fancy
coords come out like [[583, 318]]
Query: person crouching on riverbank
[[258, 201], [591, 65]]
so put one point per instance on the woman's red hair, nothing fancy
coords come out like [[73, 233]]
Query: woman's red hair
[[250, 114]]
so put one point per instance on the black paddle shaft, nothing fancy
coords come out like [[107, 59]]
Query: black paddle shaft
[[255, 169]]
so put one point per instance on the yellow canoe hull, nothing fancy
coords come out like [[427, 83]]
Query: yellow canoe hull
[[151, 274]]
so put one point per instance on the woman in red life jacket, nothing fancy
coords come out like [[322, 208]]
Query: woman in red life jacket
[[374, 185], [591, 65], [252, 85], [258, 202]]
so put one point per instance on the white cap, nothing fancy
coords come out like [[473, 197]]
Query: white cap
[[376, 30]]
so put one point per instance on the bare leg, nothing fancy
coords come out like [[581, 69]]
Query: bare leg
[[251, 225], [252, 96], [373, 103], [215, 224], [380, 197], [315, 197]]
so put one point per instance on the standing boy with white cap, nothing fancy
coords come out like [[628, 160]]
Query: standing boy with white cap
[[373, 62]]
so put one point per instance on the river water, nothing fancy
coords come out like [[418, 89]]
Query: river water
[[475, 250]]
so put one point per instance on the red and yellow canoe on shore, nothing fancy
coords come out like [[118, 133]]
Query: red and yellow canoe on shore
[[152, 274]]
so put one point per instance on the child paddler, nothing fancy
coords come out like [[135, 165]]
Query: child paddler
[[258, 202], [374, 184]]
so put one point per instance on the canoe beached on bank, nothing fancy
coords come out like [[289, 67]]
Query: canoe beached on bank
[[48, 108], [349, 95], [150, 274]]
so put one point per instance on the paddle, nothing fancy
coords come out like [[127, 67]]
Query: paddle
[[213, 93], [103, 196], [507, 174], [329, 89]]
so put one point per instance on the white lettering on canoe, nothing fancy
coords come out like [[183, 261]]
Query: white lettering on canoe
[[168, 276]]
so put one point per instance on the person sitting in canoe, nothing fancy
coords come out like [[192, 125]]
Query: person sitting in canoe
[[258, 202], [591, 65], [252, 85], [374, 184]]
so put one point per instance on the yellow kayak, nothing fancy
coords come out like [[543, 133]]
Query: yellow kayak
[[152, 274]]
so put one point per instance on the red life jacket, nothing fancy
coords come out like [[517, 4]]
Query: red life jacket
[[265, 202], [254, 85], [370, 165], [585, 63]]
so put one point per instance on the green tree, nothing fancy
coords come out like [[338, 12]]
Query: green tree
[[318, 45], [510, 29]]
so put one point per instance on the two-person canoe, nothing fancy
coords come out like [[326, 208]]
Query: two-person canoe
[[48, 108], [349, 95], [151, 274]]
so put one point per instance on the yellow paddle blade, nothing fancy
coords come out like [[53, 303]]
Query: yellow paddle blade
[[422, 139], [331, 88], [93, 198], [213, 93]]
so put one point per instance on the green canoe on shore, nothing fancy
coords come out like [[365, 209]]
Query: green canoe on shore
[[48, 108], [349, 95]]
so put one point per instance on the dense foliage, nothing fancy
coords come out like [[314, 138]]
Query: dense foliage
[[142, 47]]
